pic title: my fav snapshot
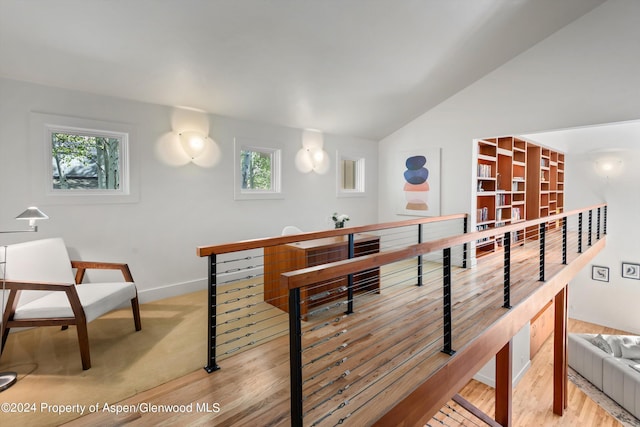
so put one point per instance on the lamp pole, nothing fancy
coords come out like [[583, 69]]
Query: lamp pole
[[32, 214]]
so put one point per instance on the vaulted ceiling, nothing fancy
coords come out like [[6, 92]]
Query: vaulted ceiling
[[358, 67]]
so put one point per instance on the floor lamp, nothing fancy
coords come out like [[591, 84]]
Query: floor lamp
[[32, 214]]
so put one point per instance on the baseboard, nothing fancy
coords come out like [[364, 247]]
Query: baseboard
[[633, 330], [491, 380], [176, 289], [173, 290], [485, 379], [520, 374]]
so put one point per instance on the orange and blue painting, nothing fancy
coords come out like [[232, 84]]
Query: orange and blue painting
[[416, 187], [421, 186]]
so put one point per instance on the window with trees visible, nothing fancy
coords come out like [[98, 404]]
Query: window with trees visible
[[257, 172], [82, 161], [86, 160]]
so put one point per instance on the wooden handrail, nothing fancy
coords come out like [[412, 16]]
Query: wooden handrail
[[419, 405], [303, 277], [203, 251]]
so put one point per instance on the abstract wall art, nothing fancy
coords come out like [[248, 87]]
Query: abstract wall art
[[420, 182]]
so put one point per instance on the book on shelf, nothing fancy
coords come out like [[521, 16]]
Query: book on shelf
[[515, 214], [484, 171], [482, 214]]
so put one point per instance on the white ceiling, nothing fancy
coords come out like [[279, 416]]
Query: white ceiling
[[358, 67], [621, 138]]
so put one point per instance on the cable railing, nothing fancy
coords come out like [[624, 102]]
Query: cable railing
[[369, 356], [248, 305]]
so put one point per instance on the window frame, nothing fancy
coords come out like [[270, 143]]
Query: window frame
[[42, 128], [123, 159], [360, 175], [275, 152]]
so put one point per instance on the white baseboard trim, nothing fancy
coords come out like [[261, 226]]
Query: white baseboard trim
[[173, 290], [597, 320], [491, 380]]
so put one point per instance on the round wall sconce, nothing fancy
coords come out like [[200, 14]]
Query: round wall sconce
[[198, 149], [609, 166], [608, 163], [193, 143], [312, 157]]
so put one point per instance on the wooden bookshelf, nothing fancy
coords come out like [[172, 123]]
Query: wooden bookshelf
[[545, 182], [516, 180], [486, 185]]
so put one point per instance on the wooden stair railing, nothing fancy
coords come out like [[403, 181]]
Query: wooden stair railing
[[416, 229], [414, 397]]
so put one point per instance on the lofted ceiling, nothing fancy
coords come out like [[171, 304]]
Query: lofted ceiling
[[359, 67]]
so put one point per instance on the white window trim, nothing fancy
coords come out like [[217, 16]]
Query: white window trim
[[43, 125], [276, 170], [359, 190], [123, 160]]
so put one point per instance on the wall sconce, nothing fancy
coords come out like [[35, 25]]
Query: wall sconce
[[32, 214], [190, 146], [312, 157], [193, 143], [608, 165]]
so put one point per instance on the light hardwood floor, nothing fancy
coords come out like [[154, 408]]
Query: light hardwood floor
[[532, 397], [253, 387], [263, 391]]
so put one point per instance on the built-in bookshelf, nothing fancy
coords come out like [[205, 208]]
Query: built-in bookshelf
[[516, 180], [545, 182], [486, 183]]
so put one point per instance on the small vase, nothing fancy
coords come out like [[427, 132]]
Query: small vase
[[340, 224]]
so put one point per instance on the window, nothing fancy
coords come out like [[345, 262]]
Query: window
[[350, 179], [85, 161], [349, 174], [257, 171]]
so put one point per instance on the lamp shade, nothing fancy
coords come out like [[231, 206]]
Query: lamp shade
[[609, 166], [32, 214], [193, 143]]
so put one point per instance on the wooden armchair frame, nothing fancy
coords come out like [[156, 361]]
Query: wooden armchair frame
[[79, 319]]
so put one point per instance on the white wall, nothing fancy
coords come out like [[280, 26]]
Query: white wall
[[179, 208], [587, 73], [613, 303]]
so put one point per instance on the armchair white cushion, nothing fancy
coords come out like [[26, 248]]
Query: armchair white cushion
[[290, 229], [43, 290]]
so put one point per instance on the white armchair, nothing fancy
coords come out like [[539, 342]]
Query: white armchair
[[290, 229], [43, 291]]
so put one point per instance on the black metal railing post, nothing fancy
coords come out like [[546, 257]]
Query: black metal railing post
[[211, 313], [350, 276], [542, 249], [295, 357], [580, 233], [564, 240], [589, 238], [446, 289], [419, 256], [598, 226], [507, 270], [465, 246]]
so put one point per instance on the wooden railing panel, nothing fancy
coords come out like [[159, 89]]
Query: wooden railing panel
[[419, 386]]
